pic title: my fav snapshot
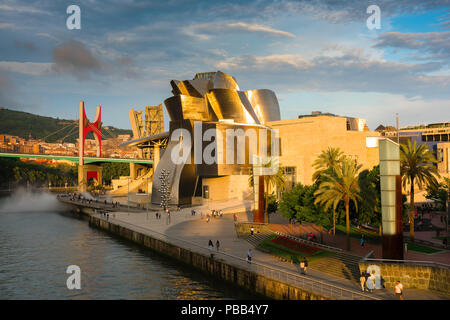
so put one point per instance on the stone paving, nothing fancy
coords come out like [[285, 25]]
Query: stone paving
[[194, 232]]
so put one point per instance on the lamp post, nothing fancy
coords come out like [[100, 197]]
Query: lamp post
[[128, 194], [448, 211]]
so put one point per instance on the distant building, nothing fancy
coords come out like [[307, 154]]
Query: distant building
[[436, 136], [304, 139]]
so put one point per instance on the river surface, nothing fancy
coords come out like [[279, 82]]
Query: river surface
[[38, 241]]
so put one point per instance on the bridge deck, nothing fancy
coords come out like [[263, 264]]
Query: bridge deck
[[75, 159]]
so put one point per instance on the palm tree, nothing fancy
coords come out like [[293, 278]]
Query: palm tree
[[417, 168], [329, 158], [342, 185]]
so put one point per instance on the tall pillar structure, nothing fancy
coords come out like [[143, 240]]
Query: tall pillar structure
[[86, 172], [391, 200], [156, 155]]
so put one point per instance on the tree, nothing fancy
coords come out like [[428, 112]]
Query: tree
[[340, 186], [273, 204], [298, 203], [276, 180], [329, 158], [439, 193], [416, 168], [370, 205]]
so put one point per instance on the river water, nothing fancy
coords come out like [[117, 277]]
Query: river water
[[39, 240]]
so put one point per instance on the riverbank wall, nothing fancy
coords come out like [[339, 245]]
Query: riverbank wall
[[246, 279]]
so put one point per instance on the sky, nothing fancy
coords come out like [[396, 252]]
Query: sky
[[316, 55]]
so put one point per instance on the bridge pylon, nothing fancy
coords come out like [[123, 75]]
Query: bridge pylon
[[86, 172]]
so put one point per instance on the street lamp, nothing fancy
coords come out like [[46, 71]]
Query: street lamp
[[128, 194]]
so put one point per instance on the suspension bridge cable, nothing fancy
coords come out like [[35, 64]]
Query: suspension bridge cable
[[71, 124]]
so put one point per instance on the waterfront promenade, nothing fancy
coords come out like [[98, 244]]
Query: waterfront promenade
[[194, 232]]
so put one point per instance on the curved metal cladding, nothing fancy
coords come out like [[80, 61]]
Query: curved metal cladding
[[224, 81], [265, 104], [227, 104], [186, 107], [181, 177], [208, 98], [201, 86]]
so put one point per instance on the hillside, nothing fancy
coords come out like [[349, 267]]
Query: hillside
[[23, 124]]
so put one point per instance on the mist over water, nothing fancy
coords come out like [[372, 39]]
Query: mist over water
[[37, 244], [23, 200]]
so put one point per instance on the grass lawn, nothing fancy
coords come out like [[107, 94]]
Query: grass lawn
[[290, 254], [421, 248]]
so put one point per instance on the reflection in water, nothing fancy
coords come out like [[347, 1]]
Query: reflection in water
[[36, 247]]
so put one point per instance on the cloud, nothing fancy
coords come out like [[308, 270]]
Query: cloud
[[29, 68], [7, 26], [431, 45], [348, 72], [75, 59], [22, 9], [351, 10], [202, 30]]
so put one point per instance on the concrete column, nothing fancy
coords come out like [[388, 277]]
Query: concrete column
[[132, 171], [391, 200], [82, 181], [156, 156], [83, 173]]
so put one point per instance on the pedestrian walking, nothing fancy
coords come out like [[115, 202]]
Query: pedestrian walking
[[210, 247], [398, 290], [252, 231], [303, 265], [363, 240], [362, 280], [371, 281], [217, 245], [249, 256], [235, 217]]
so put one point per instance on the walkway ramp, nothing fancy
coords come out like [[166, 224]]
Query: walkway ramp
[[139, 183]]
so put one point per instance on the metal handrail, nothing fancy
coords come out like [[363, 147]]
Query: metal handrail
[[267, 270], [311, 243], [439, 264]]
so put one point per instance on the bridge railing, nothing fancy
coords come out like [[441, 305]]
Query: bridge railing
[[411, 262], [75, 156]]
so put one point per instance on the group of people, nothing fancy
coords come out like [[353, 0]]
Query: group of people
[[213, 213], [367, 281], [311, 236], [79, 197], [252, 231], [211, 247], [368, 284]]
